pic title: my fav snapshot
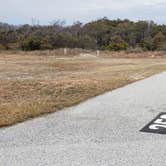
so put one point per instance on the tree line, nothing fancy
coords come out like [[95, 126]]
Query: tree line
[[101, 34]]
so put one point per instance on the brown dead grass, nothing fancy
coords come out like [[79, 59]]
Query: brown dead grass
[[32, 85]]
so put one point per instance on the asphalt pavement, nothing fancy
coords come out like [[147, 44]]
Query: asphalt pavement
[[102, 131]]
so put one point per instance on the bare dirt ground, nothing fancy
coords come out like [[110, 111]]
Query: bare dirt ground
[[32, 85]]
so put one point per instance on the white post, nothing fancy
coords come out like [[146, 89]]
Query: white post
[[98, 53], [65, 51]]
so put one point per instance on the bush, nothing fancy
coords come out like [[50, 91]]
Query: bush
[[31, 43], [158, 40], [117, 46], [162, 47], [2, 47]]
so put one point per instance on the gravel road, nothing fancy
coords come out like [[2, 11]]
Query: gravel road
[[103, 131]]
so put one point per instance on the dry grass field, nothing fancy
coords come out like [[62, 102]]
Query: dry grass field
[[32, 85]]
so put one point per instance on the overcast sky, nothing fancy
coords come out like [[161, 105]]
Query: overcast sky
[[22, 11]]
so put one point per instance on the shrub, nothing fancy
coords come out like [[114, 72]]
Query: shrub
[[117, 46], [31, 43], [2, 47]]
